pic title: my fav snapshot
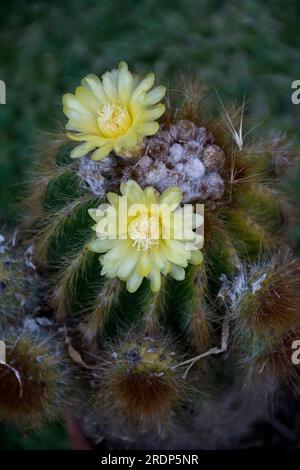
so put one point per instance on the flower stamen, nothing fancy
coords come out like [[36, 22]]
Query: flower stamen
[[113, 120], [144, 231]]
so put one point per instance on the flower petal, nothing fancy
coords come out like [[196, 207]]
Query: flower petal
[[113, 259], [87, 99], [150, 114], [175, 252], [128, 265], [143, 86], [159, 259], [125, 83], [177, 272], [82, 149], [71, 103], [134, 282], [109, 87], [102, 246], [151, 195], [133, 192], [147, 128], [93, 83], [93, 214], [82, 124], [172, 197], [128, 140], [102, 152], [145, 264], [155, 280], [196, 257], [113, 199], [155, 95]]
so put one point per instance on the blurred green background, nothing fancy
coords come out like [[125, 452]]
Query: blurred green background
[[249, 47]]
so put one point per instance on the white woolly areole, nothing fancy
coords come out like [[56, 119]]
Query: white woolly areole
[[180, 155]]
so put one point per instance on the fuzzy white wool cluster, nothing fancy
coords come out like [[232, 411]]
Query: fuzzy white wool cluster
[[181, 155]]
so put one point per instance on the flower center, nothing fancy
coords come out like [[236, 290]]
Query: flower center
[[145, 231], [113, 120]]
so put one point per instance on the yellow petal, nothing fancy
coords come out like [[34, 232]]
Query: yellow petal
[[113, 199], [133, 192], [143, 86], [147, 128], [150, 114], [155, 280], [175, 252], [159, 259], [94, 214], [83, 125], [128, 140], [102, 246], [166, 268], [177, 272], [109, 87], [80, 136], [125, 83], [102, 152], [172, 197], [71, 103], [155, 95], [87, 99], [128, 265], [195, 241], [82, 149], [97, 214], [151, 195], [134, 282], [113, 259], [196, 257], [93, 83], [144, 265]]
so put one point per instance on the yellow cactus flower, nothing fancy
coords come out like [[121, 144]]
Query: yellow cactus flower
[[112, 113], [142, 234]]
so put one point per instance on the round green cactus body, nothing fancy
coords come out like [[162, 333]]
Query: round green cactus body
[[154, 336]]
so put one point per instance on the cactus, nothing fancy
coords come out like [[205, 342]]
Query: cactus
[[155, 358], [34, 369], [19, 282]]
